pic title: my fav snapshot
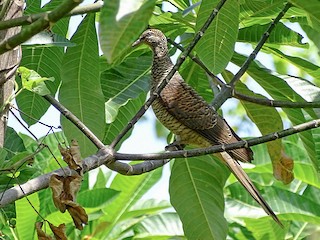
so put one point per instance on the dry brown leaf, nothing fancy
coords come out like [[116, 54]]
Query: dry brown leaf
[[72, 156], [75, 152], [59, 232], [56, 185], [64, 190], [78, 215], [283, 169], [40, 233]]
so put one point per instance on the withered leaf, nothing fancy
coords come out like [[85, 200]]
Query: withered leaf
[[78, 215], [283, 169], [72, 156], [59, 232], [64, 190], [40, 233]]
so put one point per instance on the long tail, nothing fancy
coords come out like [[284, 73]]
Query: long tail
[[244, 179]]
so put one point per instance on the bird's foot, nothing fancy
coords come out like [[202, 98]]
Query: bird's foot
[[175, 146]]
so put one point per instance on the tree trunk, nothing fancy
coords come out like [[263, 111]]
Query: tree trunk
[[9, 61]]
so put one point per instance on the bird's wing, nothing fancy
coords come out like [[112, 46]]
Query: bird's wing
[[189, 108]]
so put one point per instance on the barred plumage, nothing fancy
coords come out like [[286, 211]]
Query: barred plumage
[[183, 111]]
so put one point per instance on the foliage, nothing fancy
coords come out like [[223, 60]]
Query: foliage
[[105, 91]]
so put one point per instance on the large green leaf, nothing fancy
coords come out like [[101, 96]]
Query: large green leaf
[[27, 216], [304, 65], [158, 227], [131, 188], [96, 197], [150, 206], [47, 62], [216, 46], [124, 82], [13, 144], [281, 35], [46, 160], [125, 114], [259, 12], [117, 35], [312, 9], [196, 192], [262, 228], [80, 91]]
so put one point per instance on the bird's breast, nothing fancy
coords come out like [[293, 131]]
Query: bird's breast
[[186, 135]]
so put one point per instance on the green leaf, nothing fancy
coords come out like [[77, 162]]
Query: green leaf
[[281, 35], [125, 114], [33, 82], [162, 226], [259, 12], [132, 189], [80, 91], [45, 61], [96, 197], [47, 39], [312, 10], [51, 156], [13, 144], [263, 228], [144, 207], [196, 189], [125, 81], [117, 35], [304, 65], [216, 46], [27, 216]]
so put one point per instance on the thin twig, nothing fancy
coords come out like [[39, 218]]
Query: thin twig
[[164, 82], [220, 148], [199, 62], [23, 125], [28, 19], [49, 18], [226, 92], [33, 118], [276, 103], [76, 121]]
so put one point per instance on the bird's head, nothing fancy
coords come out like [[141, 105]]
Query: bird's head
[[155, 39]]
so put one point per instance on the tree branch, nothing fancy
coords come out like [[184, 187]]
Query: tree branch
[[45, 21], [28, 19], [226, 91], [220, 148], [240, 96], [106, 155], [175, 68]]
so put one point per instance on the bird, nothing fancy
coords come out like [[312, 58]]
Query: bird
[[192, 120]]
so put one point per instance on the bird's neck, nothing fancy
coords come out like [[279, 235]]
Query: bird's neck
[[161, 66]]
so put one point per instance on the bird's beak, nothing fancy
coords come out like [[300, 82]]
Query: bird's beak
[[136, 43]]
